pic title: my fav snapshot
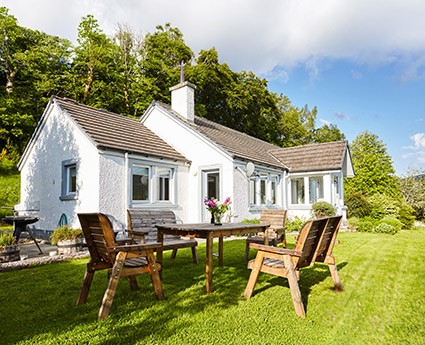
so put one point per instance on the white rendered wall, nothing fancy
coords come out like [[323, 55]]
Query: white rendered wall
[[41, 171], [202, 154]]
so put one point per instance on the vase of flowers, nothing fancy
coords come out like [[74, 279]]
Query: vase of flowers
[[217, 209]]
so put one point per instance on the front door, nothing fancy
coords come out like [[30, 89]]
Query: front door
[[210, 189]]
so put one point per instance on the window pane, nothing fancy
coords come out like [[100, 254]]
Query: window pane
[[273, 196], [252, 191], [140, 183], [315, 188], [297, 191], [164, 185], [72, 182], [263, 191]]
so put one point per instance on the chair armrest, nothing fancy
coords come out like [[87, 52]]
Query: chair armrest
[[275, 250], [134, 247], [125, 241]]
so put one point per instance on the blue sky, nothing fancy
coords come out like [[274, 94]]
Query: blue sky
[[361, 62]]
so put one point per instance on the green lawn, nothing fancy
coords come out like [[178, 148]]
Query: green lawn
[[383, 301]]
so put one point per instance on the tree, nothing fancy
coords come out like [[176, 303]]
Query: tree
[[373, 167], [94, 68], [328, 133], [130, 88], [162, 55], [33, 65], [413, 190], [297, 125]]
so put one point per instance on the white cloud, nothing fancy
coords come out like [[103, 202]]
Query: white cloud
[[259, 35], [418, 141]]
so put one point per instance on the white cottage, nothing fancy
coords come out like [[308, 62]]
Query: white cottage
[[82, 159]]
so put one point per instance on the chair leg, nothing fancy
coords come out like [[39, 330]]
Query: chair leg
[[133, 282], [246, 256], [195, 255], [109, 295], [335, 277], [85, 288], [154, 273], [174, 253], [293, 286], [254, 274]]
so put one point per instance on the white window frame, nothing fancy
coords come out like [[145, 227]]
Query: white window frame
[[299, 195], [261, 189], [315, 188], [164, 172], [67, 192], [155, 170]]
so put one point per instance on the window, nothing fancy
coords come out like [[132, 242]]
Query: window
[[252, 190], [297, 191], [273, 190], [315, 188], [150, 183], [140, 183], [263, 189], [164, 177], [69, 180], [263, 184]]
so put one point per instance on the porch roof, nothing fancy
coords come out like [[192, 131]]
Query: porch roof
[[313, 157], [117, 132]]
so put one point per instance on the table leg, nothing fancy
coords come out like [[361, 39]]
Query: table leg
[[209, 263], [159, 251], [220, 251]]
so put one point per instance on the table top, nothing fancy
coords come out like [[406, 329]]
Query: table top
[[22, 219], [203, 229]]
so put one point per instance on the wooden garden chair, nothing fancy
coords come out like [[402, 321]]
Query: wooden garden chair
[[315, 243], [121, 260], [275, 233], [142, 225]]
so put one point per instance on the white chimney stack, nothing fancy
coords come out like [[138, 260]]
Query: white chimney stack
[[183, 100]]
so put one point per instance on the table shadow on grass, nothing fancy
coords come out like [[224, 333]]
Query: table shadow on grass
[[46, 309]]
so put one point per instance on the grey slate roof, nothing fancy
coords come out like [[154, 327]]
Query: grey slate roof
[[117, 132], [237, 144], [314, 157]]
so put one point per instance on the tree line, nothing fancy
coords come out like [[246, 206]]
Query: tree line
[[125, 72]]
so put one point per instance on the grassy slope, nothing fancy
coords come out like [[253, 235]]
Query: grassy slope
[[9, 195], [383, 301]]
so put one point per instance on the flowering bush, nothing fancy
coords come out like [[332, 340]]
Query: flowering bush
[[215, 207]]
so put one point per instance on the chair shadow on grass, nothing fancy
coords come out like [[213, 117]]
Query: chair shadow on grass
[[47, 307], [309, 277]]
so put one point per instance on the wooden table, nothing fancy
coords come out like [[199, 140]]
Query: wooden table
[[208, 232]]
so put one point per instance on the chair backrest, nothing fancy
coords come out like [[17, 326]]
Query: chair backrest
[[276, 218], [145, 221], [99, 235], [316, 240], [327, 243]]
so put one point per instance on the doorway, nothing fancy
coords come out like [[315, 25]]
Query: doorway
[[210, 189]]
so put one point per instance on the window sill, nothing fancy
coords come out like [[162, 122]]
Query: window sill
[[68, 197]]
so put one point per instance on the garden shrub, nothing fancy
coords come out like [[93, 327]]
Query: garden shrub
[[63, 233], [406, 215], [367, 224], [353, 223], [322, 209], [383, 205], [357, 204], [294, 224], [394, 222], [7, 239], [385, 228]]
